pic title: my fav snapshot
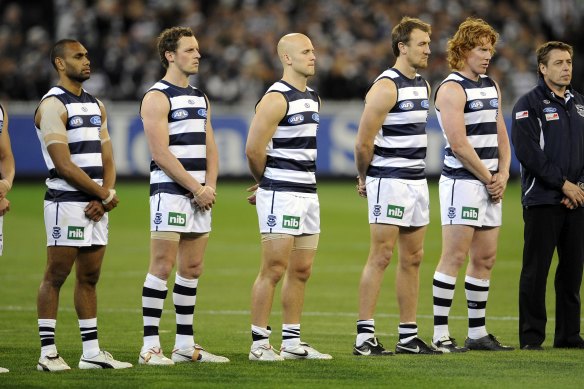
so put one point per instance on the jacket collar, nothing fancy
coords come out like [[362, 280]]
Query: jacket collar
[[563, 99]]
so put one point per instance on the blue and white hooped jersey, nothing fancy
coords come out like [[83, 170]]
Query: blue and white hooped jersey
[[83, 136], [400, 144], [480, 118], [291, 153], [187, 136]]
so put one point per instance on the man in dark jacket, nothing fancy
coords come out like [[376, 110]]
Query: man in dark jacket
[[548, 136]]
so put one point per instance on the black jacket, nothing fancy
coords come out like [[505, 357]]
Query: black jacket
[[548, 137]]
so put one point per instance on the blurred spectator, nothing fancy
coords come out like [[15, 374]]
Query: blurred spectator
[[237, 39]]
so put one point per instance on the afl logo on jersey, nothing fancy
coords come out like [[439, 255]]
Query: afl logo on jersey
[[425, 104], [296, 119], [95, 120], [202, 112], [180, 114], [76, 121], [316, 117], [406, 105], [494, 103], [549, 110], [475, 105]]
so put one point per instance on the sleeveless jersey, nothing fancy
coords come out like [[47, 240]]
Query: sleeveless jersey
[[400, 145], [83, 136], [480, 118], [291, 153], [187, 136]]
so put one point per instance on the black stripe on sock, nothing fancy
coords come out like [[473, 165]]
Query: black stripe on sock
[[154, 293], [443, 285], [184, 290], [477, 288], [184, 309]]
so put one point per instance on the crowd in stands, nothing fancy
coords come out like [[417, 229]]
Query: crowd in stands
[[238, 38]]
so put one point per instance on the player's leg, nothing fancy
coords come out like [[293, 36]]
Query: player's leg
[[411, 251], [483, 252], [293, 290], [191, 252], [382, 241], [456, 240], [60, 261], [88, 269], [163, 251], [276, 251]]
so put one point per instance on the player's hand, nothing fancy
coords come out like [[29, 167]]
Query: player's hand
[[252, 199], [496, 188], [361, 187], [94, 210], [206, 198], [4, 206], [112, 204]]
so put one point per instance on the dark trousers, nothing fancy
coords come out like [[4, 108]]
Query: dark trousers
[[548, 228]]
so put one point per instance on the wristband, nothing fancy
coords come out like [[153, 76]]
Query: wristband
[[200, 191], [112, 193], [581, 185]]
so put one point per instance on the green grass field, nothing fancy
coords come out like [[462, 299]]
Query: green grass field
[[222, 313]]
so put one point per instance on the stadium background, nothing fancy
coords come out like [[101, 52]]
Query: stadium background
[[238, 39]]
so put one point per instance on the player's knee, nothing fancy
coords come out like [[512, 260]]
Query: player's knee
[[412, 260], [303, 273], [56, 277], [89, 278], [273, 272], [486, 262], [380, 258], [192, 271]]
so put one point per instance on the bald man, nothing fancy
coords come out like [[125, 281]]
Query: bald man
[[281, 153]]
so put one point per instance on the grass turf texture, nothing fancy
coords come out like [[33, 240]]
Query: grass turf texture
[[222, 313]]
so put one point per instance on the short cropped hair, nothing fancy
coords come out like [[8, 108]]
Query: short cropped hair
[[543, 52], [168, 41], [58, 50], [470, 34], [402, 32]]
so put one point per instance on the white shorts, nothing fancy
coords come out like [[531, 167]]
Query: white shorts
[[170, 212], [287, 213], [67, 225], [399, 202], [467, 202]]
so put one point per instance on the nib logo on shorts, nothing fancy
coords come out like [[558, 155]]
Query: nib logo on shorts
[[177, 219], [75, 233], [292, 222], [395, 211], [470, 213]]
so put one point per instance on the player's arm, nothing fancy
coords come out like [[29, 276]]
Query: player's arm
[[154, 113], [499, 180], [450, 100], [379, 100], [212, 153], [270, 110], [6, 159], [50, 118], [107, 157]]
